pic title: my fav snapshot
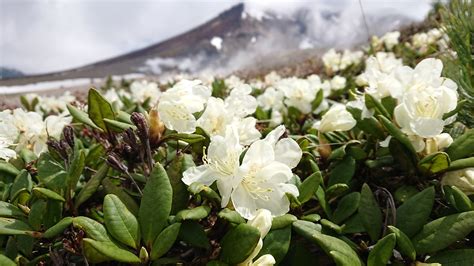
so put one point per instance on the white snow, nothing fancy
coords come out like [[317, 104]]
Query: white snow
[[59, 84], [217, 42]]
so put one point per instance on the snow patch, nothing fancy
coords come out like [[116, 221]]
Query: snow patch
[[217, 42]]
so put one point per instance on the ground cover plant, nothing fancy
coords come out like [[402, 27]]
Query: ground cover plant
[[369, 162]]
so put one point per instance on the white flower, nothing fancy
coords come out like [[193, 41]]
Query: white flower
[[338, 82], [332, 60], [233, 81], [143, 90], [462, 179], [246, 129], [299, 93], [239, 102], [260, 182], [272, 78], [8, 135], [114, 97], [178, 104], [390, 39], [349, 58], [263, 222], [337, 118], [271, 99], [215, 119], [426, 99], [6, 152], [438, 143]]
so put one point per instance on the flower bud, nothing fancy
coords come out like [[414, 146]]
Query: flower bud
[[262, 221], [114, 161], [68, 134], [462, 179], [157, 128], [139, 120]]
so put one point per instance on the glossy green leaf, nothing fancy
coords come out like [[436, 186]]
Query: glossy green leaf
[[93, 229], [382, 251], [309, 187], [461, 164], [197, 213], [10, 210], [338, 250], [118, 126], [404, 244], [457, 198], [22, 181], [10, 226], [165, 240], [51, 173], [124, 197], [397, 133], [58, 228], [81, 116], [347, 206], [413, 214], [434, 163], [370, 213], [189, 138], [239, 243], [175, 173], [198, 188], [343, 171], [231, 216], [112, 251], [444, 231], [120, 222], [283, 221], [371, 102], [456, 257], [277, 243], [462, 146], [314, 217], [77, 166], [47, 194], [155, 204], [37, 212], [5, 261], [99, 108], [91, 186]]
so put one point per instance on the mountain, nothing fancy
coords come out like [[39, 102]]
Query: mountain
[[234, 40], [6, 72]]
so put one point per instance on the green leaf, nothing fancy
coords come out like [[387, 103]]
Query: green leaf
[[336, 190], [413, 214], [112, 251], [370, 213], [37, 211], [8, 169], [155, 204], [353, 225], [5, 261], [58, 228], [462, 147], [405, 192], [382, 251], [442, 232], [314, 217], [347, 206], [47, 194], [457, 257], [434, 163], [231, 216], [193, 233], [337, 249], [197, 213], [124, 197], [461, 164], [9, 226], [120, 222], [277, 243], [99, 108], [309, 187], [175, 173], [51, 173], [189, 138], [371, 102], [91, 186], [77, 166], [238, 243], [22, 181], [321, 196], [165, 241], [93, 229], [81, 116], [343, 171], [403, 243], [198, 188], [118, 126], [10, 210], [330, 225], [457, 198], [397, 133], [283, 221]]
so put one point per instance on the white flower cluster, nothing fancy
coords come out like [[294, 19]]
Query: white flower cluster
[[50, 104], [388, 40], [423, 40], [20, 130], [335, 61], [260, 181], [422, 95]]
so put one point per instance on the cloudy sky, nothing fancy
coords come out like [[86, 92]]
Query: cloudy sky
[[38, 36]]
